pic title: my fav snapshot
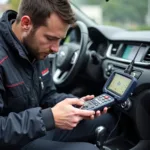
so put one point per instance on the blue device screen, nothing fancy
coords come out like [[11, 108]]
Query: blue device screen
[[120, 86]]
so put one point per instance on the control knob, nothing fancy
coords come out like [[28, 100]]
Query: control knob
[[127, 104]]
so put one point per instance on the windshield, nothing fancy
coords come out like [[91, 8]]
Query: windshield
[[128, 14]]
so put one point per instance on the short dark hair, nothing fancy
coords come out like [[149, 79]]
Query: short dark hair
[[40, 10]]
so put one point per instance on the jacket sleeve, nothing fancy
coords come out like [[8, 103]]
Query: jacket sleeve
[[21, 128], [51, 97]]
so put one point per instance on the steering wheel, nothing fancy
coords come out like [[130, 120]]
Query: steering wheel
[[70, 58]]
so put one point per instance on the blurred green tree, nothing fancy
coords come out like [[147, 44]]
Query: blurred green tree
[[121, 11], [14, 4], [125, 11]]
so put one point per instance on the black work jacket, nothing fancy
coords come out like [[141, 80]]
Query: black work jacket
[[25, 89]]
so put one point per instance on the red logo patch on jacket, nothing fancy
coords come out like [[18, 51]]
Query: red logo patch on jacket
[[45, 72]]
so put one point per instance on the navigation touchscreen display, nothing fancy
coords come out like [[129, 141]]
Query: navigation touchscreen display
[[130, 52]]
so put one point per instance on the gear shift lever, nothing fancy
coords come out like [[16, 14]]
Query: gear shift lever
[[100, 137]]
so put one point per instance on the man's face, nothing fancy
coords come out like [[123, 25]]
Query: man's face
[[45, 39]]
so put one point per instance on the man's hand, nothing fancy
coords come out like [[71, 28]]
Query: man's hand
[[66, 116], [98, 113]]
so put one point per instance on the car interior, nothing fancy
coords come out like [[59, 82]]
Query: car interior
[[88, 56]]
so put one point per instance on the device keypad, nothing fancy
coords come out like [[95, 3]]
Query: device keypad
[[98, 101]]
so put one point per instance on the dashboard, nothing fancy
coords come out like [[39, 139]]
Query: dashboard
[[119, 48]]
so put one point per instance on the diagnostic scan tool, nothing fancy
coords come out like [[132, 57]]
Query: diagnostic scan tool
[[116, 90]]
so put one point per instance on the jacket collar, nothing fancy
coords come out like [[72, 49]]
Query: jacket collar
[[8, 35]]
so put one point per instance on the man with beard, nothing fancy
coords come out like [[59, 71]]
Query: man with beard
[[31, 116]]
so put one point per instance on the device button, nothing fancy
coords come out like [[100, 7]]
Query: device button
[[106, 97], [95, 102]]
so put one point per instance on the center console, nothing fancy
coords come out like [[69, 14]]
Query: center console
[[118, 57]]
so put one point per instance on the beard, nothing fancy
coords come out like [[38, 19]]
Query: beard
[[29, 44]]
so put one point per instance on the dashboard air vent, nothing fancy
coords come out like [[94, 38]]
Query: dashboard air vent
[[147, 56], [114, 49]]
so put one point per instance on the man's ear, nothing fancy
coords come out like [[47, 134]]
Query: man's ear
[[26, 23]]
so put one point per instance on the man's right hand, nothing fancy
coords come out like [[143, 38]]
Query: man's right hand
[[66, 116]]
